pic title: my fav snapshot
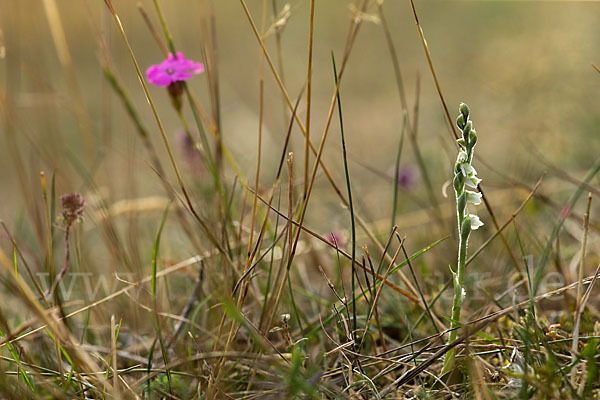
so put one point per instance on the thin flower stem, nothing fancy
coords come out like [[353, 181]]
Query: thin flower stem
[[209, 157], [163, 24], [456, 304]]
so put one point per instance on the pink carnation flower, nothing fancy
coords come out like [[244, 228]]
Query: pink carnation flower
[[173, 69]]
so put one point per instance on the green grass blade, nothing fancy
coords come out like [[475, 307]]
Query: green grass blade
[[24, 376], [351, 204]]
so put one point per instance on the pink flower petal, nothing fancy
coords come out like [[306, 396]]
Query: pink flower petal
[[196, 67], [174, 68], [160, 79], [181, 76]]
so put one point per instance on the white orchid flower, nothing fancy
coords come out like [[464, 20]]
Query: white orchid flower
[[472, 181], [475, 222], [467, 170], [474, 197]]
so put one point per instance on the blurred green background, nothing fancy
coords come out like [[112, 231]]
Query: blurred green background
[[524, 67]]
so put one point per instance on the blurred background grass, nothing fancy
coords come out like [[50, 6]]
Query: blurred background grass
[[524, 67]]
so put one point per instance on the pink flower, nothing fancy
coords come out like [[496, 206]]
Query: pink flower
[[173, 69]]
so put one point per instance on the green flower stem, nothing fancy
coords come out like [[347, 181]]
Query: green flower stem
[[459, 278]]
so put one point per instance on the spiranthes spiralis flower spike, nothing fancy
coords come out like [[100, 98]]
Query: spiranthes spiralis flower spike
[[464, 175]]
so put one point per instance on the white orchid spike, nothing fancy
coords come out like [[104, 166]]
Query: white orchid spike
[[464, 176]]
